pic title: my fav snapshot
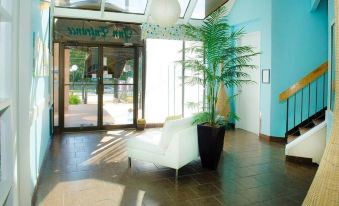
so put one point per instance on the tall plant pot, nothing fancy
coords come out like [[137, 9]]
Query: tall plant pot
[[211, 143]]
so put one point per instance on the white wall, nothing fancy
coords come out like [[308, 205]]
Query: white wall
[[30, 99]]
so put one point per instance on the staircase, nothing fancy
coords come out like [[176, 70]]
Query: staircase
[[306, 104], [306, 125]]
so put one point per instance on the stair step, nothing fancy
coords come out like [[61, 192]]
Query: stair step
[[291, 138], [317, 121], [303, 130]]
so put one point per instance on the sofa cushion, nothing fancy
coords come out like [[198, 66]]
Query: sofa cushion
[[148, 141], [171, 127]]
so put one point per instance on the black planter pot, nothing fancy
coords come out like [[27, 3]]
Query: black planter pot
[[211, 143]]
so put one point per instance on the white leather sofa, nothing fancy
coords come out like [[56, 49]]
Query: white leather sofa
[[175, 146]]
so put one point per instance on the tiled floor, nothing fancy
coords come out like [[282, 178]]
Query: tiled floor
[[91, 169]]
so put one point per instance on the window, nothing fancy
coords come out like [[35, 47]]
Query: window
[[163, 95], [5, 92], [199, 10], [194, 91], [169, 89]]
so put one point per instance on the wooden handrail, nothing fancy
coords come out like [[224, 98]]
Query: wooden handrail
[[303, 82]]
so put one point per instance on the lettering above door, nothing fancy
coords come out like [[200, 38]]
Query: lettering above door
[[85, 31]]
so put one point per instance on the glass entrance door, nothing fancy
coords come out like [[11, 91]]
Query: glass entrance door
[[81, 94], [99, 87], [118, 86]]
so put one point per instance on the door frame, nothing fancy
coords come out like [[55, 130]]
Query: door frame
[[100, 87]]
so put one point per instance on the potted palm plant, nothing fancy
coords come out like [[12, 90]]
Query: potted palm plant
[[221, 63]]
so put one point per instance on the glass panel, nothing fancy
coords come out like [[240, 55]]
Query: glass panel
[[79, 4], [118, 65], [118, 104], [199, 10], [129, 6], [163, 95], [118, 74], [56, 84], [194, 91], [80, 89], [332, 67], [183, 7]]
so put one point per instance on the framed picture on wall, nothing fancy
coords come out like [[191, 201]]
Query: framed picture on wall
[[265, 76]]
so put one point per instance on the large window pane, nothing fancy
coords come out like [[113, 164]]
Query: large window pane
[[163, 96], [118, 76], [194, 91], [80, 87]]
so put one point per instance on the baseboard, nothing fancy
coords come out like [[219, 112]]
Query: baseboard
[[300, 160], [281, 140]]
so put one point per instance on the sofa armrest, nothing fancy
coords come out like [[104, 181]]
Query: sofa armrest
[[184, 146]]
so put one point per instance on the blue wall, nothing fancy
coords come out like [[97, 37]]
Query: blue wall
[[40, 94], [299, 45], [255, 16]]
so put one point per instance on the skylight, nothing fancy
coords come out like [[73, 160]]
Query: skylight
[[79, 4], [199, 10], [134, 11], [183, 6], [130, 6]]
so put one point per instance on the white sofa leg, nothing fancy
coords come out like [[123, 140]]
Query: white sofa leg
[[129, 162], [176, 174]]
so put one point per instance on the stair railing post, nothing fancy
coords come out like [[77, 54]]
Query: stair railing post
[[287, 116]]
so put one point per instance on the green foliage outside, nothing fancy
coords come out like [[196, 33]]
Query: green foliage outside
[[74, 99], [219, 59], [77, 57]]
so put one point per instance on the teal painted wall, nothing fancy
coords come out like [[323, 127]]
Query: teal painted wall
[[255, 16], [299, 45], [40, 93], [34, 90]]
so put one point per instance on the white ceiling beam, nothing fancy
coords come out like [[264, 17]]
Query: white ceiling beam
[[102, 8], [148, 10]]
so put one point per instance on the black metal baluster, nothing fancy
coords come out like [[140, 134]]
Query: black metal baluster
[[309, 99], [324, 90], [302, 105], [287, 114], [316, 95], [295, 104]]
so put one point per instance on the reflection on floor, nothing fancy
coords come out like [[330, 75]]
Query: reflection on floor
[[85, 115], [91, 169]]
